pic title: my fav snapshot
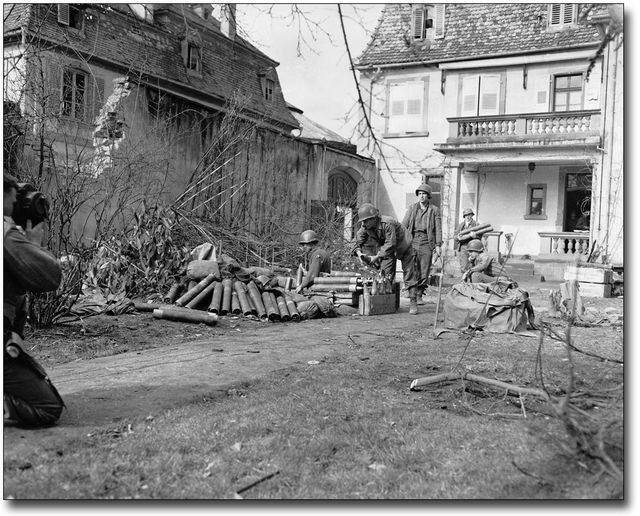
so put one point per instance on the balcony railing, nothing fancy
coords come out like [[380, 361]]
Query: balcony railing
[[564, 244], [534, 124]]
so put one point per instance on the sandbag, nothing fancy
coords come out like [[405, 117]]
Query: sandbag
[[200, 269], [500, 307]]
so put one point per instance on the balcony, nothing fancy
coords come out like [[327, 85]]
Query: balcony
[[562, 129]]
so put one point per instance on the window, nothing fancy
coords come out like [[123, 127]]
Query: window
[[427, 21], [194, 60], [480, 95], [562, 15], [536, 201], [74, 85], [70, 15], [269, 86], [406, 107], [567, 92]]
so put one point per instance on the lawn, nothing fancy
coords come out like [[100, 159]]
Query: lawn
[[349, 427]]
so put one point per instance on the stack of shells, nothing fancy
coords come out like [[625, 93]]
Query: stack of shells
[[234, 297]]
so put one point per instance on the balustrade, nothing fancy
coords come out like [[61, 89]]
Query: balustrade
[[566, 244]]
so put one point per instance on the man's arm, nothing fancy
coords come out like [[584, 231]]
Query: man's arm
[[438, 220], [35, 268], [389, 246], [314, 270], [482, 265]]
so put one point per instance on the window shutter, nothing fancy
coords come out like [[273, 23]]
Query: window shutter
[[569, 11], [52, 90], [439, 20], [63, 14], [396, 112], [418, 22], [185, 52], [555, 14], [469, 96], [97, 98], [414, 93], [489, 95]]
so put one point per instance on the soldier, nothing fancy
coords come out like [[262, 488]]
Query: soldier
[[461, 243], [481, 268], [30, 399], [388, 235], [318, 260], [424, 223]]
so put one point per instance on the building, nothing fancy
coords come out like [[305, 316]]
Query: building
[[514, 110], [163, 102]]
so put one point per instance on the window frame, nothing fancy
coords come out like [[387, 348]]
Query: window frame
[[423, 83], [85, 94], [481, 91], [427, 12], [194, 50], [564, 19], [536, 216], [554, 91], [269, 89]]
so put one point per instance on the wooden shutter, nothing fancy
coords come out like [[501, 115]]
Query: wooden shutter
[[469, 96], [52, 89], [569, 14], [556, 10], [397, 108], [489, 95], [418, 22], [439, 20], [414, 94], [63, 14], [97, 98]]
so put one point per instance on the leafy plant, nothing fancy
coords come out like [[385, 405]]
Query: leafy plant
[[142, 260]]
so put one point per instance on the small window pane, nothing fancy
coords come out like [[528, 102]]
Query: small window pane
[[414, 107]]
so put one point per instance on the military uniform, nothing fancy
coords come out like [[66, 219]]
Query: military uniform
[[30, 399]]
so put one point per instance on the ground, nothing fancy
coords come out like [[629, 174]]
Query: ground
[[162, 364]]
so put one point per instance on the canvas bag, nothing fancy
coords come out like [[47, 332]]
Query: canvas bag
[[499, 307]]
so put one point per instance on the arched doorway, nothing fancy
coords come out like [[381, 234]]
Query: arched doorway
[[342, 195]]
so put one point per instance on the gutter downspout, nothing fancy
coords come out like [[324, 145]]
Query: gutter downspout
[[610, 148]]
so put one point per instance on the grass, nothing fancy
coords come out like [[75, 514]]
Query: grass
[[347, 428]]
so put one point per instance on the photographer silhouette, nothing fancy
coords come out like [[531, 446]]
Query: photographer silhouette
[[30, 399]]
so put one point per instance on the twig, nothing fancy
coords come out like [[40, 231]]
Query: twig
[[259, 481]]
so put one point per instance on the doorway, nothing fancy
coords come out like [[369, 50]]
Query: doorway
[[577, 201]]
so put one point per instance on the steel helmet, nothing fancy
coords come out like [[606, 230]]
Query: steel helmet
[[424, 188], [308, 237], [475, 245], [467, 211], [367, 211]]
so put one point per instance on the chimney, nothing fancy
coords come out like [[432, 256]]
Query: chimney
[[228, 20]]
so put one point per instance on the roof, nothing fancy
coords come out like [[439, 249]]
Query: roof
[[314, 131], [472, 31], [121, 41]]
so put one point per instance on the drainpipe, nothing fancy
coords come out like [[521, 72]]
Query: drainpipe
[[611, 135]]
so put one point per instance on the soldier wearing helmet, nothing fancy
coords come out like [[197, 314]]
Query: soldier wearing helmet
[[318, 260], [424, 223], [461, 242], [481, 267], [388, 236]]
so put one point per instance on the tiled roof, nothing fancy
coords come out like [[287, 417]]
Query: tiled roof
[[472, 31], [137, 47]]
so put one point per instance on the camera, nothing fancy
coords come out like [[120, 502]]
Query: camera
[[30, 205]]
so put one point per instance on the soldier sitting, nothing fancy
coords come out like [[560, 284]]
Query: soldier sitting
[[481, 265]]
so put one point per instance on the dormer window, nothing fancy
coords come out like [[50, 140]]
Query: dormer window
[[70, 16], [269, 86], [427, 21], [194, 59], [192, 56], [562, 15]]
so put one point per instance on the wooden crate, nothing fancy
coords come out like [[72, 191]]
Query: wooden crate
[[594, 289], [588, 274], [379, 304]]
